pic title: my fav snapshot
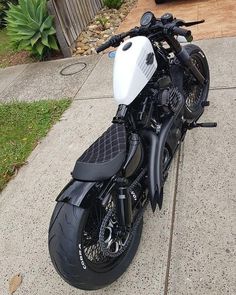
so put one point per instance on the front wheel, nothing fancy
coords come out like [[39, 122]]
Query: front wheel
[[195, 93], [75, 248]]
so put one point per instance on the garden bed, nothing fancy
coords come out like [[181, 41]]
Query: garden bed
[[104, 25], [10, 57]]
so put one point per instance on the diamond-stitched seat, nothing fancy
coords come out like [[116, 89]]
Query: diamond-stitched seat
[[104, 157]]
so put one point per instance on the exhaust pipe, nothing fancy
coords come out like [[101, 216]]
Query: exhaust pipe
[[155, 162]]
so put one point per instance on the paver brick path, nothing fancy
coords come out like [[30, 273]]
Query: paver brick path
[[220, 15]]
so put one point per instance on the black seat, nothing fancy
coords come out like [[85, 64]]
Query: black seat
[[104, 157]]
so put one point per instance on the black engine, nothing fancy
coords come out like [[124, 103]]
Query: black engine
[[169, 97], [169, 100]]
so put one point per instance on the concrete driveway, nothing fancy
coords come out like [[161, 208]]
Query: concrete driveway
[[187, 248]]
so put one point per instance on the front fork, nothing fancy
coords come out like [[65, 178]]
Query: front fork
[[185, 59], [124, 205]]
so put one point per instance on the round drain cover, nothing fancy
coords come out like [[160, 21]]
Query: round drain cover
[[73, 69]]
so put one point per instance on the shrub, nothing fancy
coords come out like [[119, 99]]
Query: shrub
[[102, 21], [2, 13], [113, 3], [30, 27], [3, 8]]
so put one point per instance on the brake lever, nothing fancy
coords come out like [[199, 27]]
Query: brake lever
[[193, 23], [180, 23]]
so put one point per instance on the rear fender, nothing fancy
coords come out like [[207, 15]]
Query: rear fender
[[77, 193]]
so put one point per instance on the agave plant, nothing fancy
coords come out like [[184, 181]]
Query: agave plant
[[30, 27], [2, 14], [3, 8]]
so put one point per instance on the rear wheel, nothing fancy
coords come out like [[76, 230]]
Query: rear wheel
[[194, 92], [75, 248]]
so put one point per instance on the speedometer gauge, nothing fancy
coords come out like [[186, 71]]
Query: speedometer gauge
[[147, 19]]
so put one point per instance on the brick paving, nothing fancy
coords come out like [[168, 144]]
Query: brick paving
[[219, 15]]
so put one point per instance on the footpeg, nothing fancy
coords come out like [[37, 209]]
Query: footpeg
[[207, 125], [204, 125], [205, 103]]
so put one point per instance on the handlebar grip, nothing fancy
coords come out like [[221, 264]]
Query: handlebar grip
[[103, 46], [182, 32]]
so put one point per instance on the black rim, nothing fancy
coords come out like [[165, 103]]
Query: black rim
[[93, 254], [193, 90]]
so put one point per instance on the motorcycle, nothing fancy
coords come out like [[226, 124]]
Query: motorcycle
[[161, 88]]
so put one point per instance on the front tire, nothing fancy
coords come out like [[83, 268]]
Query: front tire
[[68, 256]]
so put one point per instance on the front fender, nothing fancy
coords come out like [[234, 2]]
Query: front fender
[[76, 192]]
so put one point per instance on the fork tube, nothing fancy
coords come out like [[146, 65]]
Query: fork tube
[[124, 207], [184, 58]]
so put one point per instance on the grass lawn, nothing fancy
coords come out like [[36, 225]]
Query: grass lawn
[[22, 125], [8, 56]]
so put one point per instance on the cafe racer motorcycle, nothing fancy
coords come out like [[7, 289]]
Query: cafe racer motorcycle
[[161, 88]]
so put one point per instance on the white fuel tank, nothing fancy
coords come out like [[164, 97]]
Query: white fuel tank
[[135, 63]]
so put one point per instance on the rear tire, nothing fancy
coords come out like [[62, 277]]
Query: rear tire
[[195, 93], [66, 250]]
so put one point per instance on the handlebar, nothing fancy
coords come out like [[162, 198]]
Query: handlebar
[[166, 28], [183, 32], [103, 47], [113, 41]]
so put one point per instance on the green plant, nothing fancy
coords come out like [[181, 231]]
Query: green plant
[[30, 27], [2, 14], [102, 21], [3, 8], [113, 3], [22, 125]]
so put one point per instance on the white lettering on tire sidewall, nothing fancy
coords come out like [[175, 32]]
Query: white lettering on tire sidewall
[[81, 258]]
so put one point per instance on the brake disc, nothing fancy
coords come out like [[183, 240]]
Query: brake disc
[[111, 242]]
